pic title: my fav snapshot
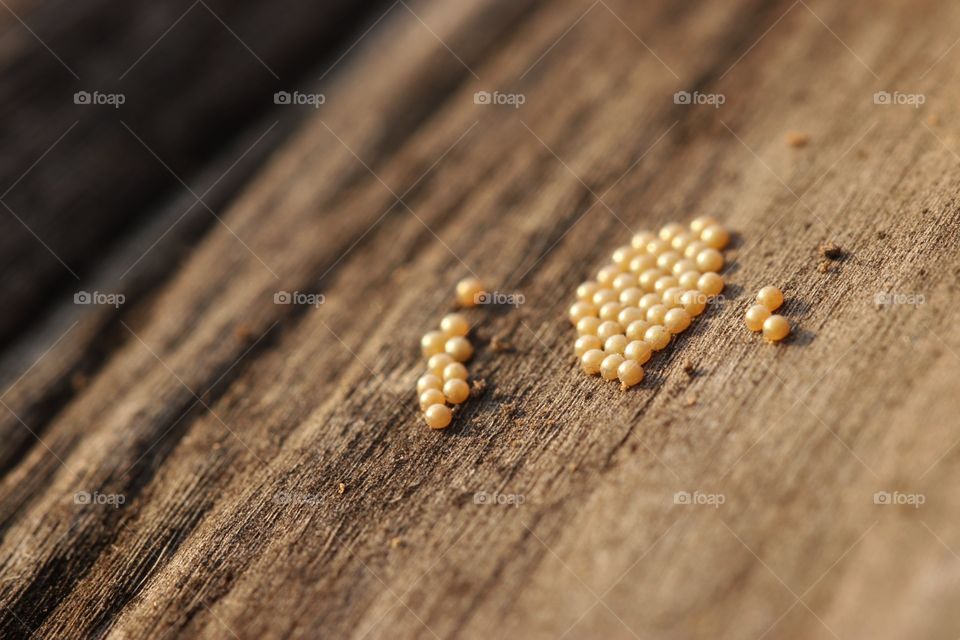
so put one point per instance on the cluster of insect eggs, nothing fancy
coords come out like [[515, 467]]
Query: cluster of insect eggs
[[446, 350], [651, 291], [760, 317]]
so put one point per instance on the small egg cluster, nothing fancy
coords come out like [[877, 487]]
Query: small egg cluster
[[446, 351], [760, 316], [651, 291]]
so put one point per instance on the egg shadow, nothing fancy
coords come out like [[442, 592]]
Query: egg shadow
[[731, 267], [732, 291], [736, 241], [794, 307], [800, 338]]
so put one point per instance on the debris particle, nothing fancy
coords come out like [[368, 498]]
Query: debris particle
[[78, 381], [824, 267], [341, 488], [477, 387], [571, 467], [688, 368], [830, 250], [243, 333], [691, 400], [395, 542], [499, 344], [797, 139]]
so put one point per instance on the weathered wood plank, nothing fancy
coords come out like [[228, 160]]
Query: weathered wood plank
[[229, 423]]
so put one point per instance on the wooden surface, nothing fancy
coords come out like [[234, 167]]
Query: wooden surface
[[276, 477]]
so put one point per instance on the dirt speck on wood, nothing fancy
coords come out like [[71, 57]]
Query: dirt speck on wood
[[500, 344], [477, 387], [830, 250], [797, 139], [78, 381]]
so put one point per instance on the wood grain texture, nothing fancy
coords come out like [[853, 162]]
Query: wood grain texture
[[278, 481], [191, 75]]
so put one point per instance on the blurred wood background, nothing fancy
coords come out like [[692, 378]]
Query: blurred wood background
[[276, 478]]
